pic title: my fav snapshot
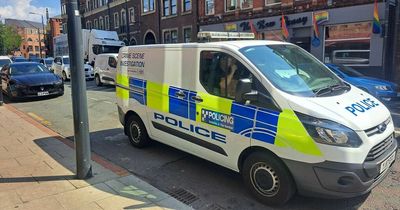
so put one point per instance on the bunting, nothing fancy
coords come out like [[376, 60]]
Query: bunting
[[376, 28], [285, 31]]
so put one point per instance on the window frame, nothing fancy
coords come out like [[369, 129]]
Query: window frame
[[123, 19], [107, 22], [241, 3], [226, 6], [116, 17], [169, 8], [272, 4], [205, 7], [191, 33], [131, 22], [183, 2], [149, 11]]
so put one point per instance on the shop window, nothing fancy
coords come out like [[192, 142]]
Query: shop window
[[209, 7], [186, 5], [187, 35], [272, 2], [230, 5], [348, 43], [246, 4], [148, 6]]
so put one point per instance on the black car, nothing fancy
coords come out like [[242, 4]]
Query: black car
[[28, 79]]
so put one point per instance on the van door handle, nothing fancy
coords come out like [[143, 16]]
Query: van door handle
[[180, 94], [197, 99]]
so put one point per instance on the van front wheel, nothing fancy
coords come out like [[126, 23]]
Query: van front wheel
[[268, 179], [97, 80], [137, 132]]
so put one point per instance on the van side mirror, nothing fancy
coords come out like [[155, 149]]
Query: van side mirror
[[244, 91]]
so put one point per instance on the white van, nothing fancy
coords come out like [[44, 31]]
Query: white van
[[268, 110], [105, 69]]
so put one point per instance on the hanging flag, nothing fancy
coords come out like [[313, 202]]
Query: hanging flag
[[315, 41], [253, 28], [376, 28], [321, 17], [285, 31]]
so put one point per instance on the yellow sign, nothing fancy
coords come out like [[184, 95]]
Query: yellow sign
[[230, 27]]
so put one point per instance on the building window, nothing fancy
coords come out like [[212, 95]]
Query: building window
[[96, 24], [272, 2], [230, 5], [131, 15], [187, 34], [246, 4], [123, 18], [209, 7], [170, 36], [148, 6], [116, 20], [107, 22], [101, 23], [88, 25], [186, 5], [36, 48], [348, 43], [169, 7]]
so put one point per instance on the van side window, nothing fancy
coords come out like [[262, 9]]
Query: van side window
[[112, 62], [220, 72]]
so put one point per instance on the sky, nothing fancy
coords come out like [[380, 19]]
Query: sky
[[19, 9]]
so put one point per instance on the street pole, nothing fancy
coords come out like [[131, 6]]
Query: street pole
[[78, 86], [40, 44], [44, 38]]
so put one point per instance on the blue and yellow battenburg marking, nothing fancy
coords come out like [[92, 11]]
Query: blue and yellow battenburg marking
[[249, 121]]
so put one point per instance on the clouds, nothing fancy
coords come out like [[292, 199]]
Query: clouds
[[20, 9]]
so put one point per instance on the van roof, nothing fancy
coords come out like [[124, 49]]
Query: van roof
[[4, 57], [108, 54], [226, 44]]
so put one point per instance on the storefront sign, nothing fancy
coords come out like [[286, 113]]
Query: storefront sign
[[230, 27], [264, 24]]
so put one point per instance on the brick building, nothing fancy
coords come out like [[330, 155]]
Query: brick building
[[54, 28], [346, 32], [31, 33], [144, 21]]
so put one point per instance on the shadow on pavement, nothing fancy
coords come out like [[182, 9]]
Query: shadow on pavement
[[212, 185], [104, 184]]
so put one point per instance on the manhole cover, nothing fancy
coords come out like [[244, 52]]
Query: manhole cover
[[183, 196]]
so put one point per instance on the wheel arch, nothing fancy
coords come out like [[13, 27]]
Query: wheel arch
[[251, 150]]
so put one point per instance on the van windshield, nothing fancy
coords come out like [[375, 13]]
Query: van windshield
[[4, 62], [292, 70]]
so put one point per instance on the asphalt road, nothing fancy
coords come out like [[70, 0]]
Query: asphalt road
[[207, 185]]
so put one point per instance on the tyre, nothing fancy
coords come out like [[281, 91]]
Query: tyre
[[64, 76], [98, 80], [268, 179], [137, 132]]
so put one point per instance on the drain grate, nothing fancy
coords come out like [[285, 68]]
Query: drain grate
[[215, 206], [183, 196]]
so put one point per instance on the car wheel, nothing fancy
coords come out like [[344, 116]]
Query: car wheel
[[9, 94], [64, 76], [97, 80], [268, 179], [137, 132]]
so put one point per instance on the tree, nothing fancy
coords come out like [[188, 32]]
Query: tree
[[9, 39]]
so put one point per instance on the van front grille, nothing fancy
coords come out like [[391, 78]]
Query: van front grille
[[379, 149], [375, 130]]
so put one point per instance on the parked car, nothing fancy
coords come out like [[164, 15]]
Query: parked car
[[105, 69], [47, 62], [351, 57], [4, 60], [61, 67], [29, 79], [34, 59], [379, 88], [17, 59]]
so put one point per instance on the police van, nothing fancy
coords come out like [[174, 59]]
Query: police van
[[266, 109]]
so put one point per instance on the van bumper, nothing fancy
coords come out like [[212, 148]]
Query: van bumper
[[339, 180], [121, 115]]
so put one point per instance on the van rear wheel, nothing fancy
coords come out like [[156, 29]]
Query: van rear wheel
[[268, 179], [98, 80], [137, 132]]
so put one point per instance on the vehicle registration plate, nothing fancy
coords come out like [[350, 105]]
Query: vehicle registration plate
[[45, 93], [386, 164]]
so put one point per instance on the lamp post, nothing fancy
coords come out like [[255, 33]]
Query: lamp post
[[40, 41]]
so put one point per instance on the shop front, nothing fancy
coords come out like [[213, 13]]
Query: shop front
[[345, 35]]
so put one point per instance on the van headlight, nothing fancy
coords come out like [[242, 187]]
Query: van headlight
[[329, 132]]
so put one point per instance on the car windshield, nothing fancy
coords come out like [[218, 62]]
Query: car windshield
[[293, 70], [4, 62], [350, 71], [110, 49], [66, 60], [48, 61], [20, 60], [28, 68]]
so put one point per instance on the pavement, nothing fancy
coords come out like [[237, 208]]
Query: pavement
[[37, 171]]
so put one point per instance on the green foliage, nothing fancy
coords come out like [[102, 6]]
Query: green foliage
[[9, 39]]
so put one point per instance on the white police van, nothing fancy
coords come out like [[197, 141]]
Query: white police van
[[266, 109]]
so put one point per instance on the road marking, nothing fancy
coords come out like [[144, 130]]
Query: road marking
[[94, 99], [39, 119]]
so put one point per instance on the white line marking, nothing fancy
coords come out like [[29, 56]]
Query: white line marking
[[108, 102], [94, 99]]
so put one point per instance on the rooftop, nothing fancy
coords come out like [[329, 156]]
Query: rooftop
[[23, 23]]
